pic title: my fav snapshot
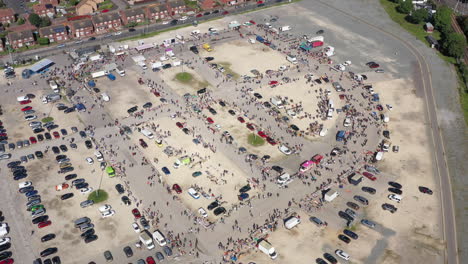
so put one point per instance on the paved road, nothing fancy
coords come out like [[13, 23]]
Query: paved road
[[19, 6]]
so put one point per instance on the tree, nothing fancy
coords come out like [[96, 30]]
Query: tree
[[43, 41], [45, 22], [443, 19], [405, 6], [454, 45], [418, 16], [35, 19], [20, 21]]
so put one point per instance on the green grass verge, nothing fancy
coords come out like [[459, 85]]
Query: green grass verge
[[228, 70], [184, 77], [47, 119], [98, 198], [255, 140]]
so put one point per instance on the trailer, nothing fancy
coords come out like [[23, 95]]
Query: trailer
[[98, 74], [284, 28]]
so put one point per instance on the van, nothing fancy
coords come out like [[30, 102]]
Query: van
[[330, 103], [159, 238], [81, 221], [147, 133], [291, 222], [105, 97], [120, 71], [330, 113], [22, 98]]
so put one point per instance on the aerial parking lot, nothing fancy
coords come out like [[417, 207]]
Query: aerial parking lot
[[264, 142]]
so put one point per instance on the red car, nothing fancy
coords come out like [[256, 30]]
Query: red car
[[156, 93], [374, 65], [252, 22], [56, 134], [25, 102], [259, 2], [105, 11], [33, 140], [271, 141], [150, 260], [262, 134], [136, 213], [143, 143], [209, 120], [44, 224], [199, 15], [317, 158], [225, 13], [177, 188], [273, 83], [241, 119], [370, 176], [250, 126], [179, 125], [26, 108], [3, 135], [7, 261]]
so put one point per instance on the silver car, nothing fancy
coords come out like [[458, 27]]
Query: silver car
[[86, 203], [35, 124], [5, 156], [19, 144], [38, 212], [86, 226], [26, 143]]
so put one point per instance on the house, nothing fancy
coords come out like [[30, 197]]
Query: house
[[107, 22], [231, 2], [155, 12], [207, 4], [56, 33], [176, 7], [21, 39], [85, 7], [44, 10], [433, 42], [81, 28], [7, 16], [135, 15], [429, 27]]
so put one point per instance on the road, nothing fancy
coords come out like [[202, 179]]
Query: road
[[446, 196]]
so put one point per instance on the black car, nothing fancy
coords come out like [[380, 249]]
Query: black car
[[389, 207], [278, 169], [40, 137], [82, 134], [19, 172], [206, 13], [219, 210], [66, 196], [62, 107], [87, 233], [194, 49], [5, 246], [60, 157], [69, 110], [345, 216], [92, 38], [26, 189], [425, 190], [148, 105], [395, 190], [120, 189], [19, 177], [132, 110], [39, 154], [5, 255], [267, 104], [386, 134], [361, 199], [395, 185], [167, 251], [330, 258], [209, 58], [39, 219], [344, 238], [56, 150], [186, 130], [90, 239], [258, 96], [216, 12], [47, 261], [13, 164], [56, 260], [63, 148], [174, 22], [63, 131], [350, 233], [213, 205], [81, 185], [88, 144], [245, 188], [352, 205], [368, 190], [47, 136], [167, 66], [212, 111], [18, 168], [128, 251], [38, 130], [221, 103], [68, 169], [232, 112], [96, 90], [126, 200], [48, 252], [47, 237], [131, 30], [320, 261]]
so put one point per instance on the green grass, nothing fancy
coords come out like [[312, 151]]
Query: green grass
[[102, 197], [228, 70], [106, 5], [463, 91], [192, 4], [255, 140], [47, 119], [184, 77]]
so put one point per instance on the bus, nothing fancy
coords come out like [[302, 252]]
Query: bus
[[306, 165], [110, 171]]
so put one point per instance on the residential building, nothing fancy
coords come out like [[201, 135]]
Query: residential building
[[136, 15], [85, 7], [81, 28], [56, 33], [44, 10], [21, 39], [7, 16], [176, 7], [207, 4], [232, 2], [107, 22], [155, 12]]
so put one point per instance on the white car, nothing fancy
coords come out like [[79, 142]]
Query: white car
[[86, 190], [395, 197], [24, 184], [183, 18], [165, 22], [285, 150], [193, 193], [4, 240], [323, 132], [347, 63], [340, 253], [104, 208], [202, 212], [136, 227], [89, 160], [99, 156], [284, 179], [105, 97], [117, 33], [347, 122], [107, 213]]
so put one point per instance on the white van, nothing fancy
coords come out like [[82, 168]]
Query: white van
[[159, 238], [147, 133], [120, 71], [330, 113], [105, 97], [330, 103], [22, 98], [291, 222]]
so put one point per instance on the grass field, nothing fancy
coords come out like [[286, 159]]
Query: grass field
[[184, 77], [255, 140], [102, 197]]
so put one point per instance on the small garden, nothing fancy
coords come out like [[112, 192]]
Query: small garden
[[255, 140]]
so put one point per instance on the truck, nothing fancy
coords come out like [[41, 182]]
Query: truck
[[51, 98], [207, 47], [142, 64], [277, 102], [98, 74], [284, 28], [265, 247], [292, 59], [146, 239]]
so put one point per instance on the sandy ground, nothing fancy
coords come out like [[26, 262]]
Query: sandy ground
[[197, 83]]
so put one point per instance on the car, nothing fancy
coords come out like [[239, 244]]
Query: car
[[88, 144], [395, 190], [86, 203], [370, 176], [87, 233], [210, 120], [108, 256], [212, 111], [245, 188], [24, 184], [71, 177], [40, 219], [4, 240], [89, 160], [361, 199], [395, 185], [340, 253], [143, 143], [219, 210], [202, 212], [48, 252], [90, 239], [104, 208], [177, 188], [166, 170], [82, 134], [271, 141], [86, 190], [47, 237], [128, 251], [159, 256], [147, 105], [262, 134], [56, 134], [120, 189], [5, 255], [374, 65], [39, 154], [66, 196], [395, 197], [351, 213], [320, 261], [26, 108], [85, 227], [136, 227], [150, 260], [47, 136], [144, 223], [56, 150], [425, 190], [179, 125], [108, 213], [56, 260], [231, 112], [368, 223], [167, 250], [330, 258], [344, 238], [126, 200], [258, 96], [351, 234], [345, 216], [136, 213], [63, 148], [192, 192], [67, 169], [389, 207], [31, 193], [225, 12], [30, 117], [213, 205], [352, 205], [25, 189], [368, 190]]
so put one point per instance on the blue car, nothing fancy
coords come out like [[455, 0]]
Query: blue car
[[31, 193], [166, 170], [243, 196]]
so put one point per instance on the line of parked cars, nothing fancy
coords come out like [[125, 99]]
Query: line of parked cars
[[5, 242]]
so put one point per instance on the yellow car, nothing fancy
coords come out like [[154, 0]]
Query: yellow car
[[158, 142]]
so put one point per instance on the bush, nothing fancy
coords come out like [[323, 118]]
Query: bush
[[443, 19], [35, 19], [255, 140], [454, 45], [102, 197], [47, 119], [20, 21], [405, 7], [43, 41], [418, 16]]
